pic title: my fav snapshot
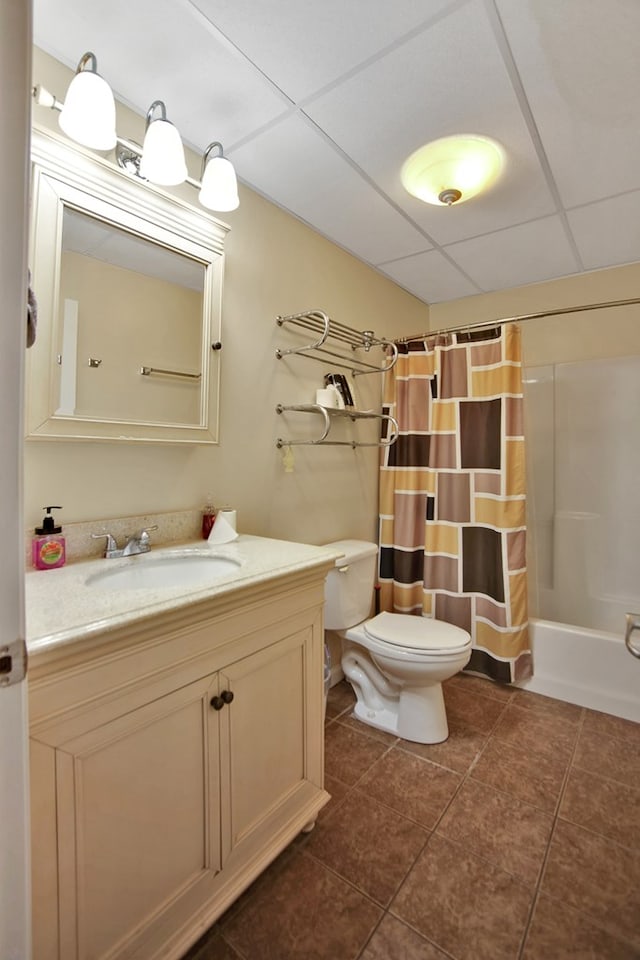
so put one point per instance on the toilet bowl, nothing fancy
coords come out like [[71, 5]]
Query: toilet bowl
[[395, 662]]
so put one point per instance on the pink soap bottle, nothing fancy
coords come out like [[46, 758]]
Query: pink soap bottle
[[48, 545]]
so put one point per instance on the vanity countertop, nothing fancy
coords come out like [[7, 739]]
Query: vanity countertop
[[62, 609]]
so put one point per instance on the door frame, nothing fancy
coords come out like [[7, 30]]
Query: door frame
[[15, 121]]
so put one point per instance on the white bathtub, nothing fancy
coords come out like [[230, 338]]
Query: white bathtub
[[586, 667]]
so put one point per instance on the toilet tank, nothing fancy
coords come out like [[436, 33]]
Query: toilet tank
[[348, 588]]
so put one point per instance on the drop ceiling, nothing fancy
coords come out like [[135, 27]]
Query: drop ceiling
[[319, 104]]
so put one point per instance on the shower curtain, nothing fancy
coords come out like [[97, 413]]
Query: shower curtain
[[452, 493]]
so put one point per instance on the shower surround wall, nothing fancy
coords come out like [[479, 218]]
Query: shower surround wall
[[584, 513]]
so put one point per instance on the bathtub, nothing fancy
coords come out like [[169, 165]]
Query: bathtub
[[586, 667]]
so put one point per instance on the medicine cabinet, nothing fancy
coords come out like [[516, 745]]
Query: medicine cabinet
[[128, 282]]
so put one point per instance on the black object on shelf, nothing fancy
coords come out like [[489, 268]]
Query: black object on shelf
[[342, 384]]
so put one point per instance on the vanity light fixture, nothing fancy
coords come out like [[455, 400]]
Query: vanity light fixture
[[162, 151], [89, 112], [219, 189], [88, 117], [452, 169]]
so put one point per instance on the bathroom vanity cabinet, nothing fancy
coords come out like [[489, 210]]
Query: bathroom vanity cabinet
[[172, 760]]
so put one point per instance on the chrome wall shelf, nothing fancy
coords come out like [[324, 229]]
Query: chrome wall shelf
[[347, 345], [328, 413]]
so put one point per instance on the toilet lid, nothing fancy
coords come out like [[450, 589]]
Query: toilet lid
[[417, 633]]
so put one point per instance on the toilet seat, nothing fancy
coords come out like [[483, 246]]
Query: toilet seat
[[417, 636]]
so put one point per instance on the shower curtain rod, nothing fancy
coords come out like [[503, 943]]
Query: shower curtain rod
[[487, 324]]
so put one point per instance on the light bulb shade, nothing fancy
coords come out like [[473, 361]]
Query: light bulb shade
[[219, 189], [89, 112], [163, 155], [467, 163]]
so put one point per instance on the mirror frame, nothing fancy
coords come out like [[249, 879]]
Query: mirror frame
[[66, 176]]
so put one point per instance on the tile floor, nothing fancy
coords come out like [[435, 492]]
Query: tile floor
[[516, 839]]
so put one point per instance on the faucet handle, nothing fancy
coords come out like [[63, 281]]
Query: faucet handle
[[111, 547], [143, 536]]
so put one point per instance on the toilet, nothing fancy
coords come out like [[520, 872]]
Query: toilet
[[395, 662]]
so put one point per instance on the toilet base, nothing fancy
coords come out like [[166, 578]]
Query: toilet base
[[418, 715]]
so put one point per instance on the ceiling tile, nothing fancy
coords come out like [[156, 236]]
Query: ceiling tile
[[313, 43], [292, 164], [527, 253], [608, 233], [580, 66], [556, 84], [430, 277], [160, 50], [449, 79]]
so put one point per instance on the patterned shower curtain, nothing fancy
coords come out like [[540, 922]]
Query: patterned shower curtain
[[452, 493]]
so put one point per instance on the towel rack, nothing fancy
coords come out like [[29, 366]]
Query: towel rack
[[327, 414], [148, 371], [346, 338]]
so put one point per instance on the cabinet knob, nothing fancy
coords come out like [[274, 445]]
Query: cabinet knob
[[218, 702]]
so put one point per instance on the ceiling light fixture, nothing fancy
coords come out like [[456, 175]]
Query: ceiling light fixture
[[452, 169], [88, 117]]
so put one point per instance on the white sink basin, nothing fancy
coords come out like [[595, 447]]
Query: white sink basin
[[164, 572]]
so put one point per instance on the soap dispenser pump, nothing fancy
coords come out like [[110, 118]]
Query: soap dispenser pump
[[48, 545]]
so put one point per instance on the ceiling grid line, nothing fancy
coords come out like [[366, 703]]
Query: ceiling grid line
[[516, 80]]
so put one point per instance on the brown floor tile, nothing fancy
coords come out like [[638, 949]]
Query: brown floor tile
[[338, 791], [535, 779], [368, 844], [340, 698], [213, 948], [610, 726], [468, 907], [307, 914], [547, 706], [475, 711], [609, 756], [457, 753], [368, 731], [415, 787], [485, 687], [263, 881], [604, 806], [559, 933], [511, 834], [597, 877], [348, 754], [533, 733], [394, 941]]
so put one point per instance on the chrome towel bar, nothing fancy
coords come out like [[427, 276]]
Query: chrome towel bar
[[149, 371], [330, 412], [326, 331]]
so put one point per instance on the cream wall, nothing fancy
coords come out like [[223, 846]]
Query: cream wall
[[274, 265], [608, 332]]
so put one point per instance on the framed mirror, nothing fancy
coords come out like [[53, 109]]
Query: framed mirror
[[128, 282]]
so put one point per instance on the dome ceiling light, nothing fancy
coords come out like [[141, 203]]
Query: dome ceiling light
[[452, 169]]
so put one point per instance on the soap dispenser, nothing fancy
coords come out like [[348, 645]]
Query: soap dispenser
[[48, 545]]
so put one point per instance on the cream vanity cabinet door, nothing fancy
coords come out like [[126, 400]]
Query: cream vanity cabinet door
[[134, 835], [268, 761]]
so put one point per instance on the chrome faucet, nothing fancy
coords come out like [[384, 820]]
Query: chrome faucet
[[139, 543]]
